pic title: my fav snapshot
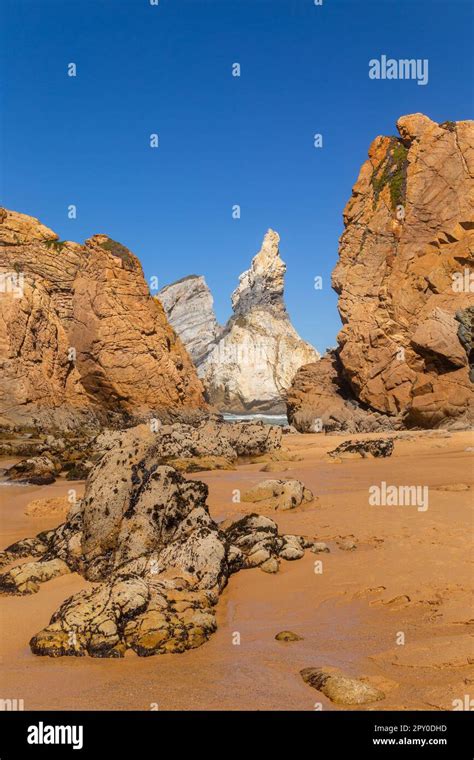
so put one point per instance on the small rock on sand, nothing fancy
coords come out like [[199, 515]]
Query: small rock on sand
[[377, 447], [279, 494], [347, 545], [288, 636], [270, 565], [341, 689], [39, 471], [319, 546]]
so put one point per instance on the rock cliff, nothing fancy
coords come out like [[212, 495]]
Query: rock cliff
[[188, 305], [404, 283], [80, 335], [248, 365]]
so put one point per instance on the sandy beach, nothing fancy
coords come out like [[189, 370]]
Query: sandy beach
[[409, 574]]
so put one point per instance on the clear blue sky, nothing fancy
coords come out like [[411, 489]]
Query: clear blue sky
[[143, 69]]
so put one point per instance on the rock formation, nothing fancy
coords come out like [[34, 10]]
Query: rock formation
[[39, 471], [188, 305], [340, 688], [372, 447], [206, 444], [80, 334], [258, 352], [465, 317], [319, 399], [144, 536], [278, 494], [404, 285]]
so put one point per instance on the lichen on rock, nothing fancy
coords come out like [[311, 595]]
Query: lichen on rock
[[143, 536]]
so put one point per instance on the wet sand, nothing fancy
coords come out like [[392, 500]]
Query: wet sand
[[410, 574]]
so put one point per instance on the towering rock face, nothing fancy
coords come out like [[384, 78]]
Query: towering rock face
[[403, 277], [36, 374], [80, 336], [127, 353], [259, 351], [188, 304]]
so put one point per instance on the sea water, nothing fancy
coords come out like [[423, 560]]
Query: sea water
[[268, 419]]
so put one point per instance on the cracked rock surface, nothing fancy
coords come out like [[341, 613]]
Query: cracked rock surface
[[404, 273], [93, 298]]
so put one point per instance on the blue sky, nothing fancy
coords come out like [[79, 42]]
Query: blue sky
[[224, 140]]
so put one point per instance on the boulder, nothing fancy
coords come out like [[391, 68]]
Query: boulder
[[320, 401], [375, 447], [143, 535], [341, 689], [279, 494], [38, 471]]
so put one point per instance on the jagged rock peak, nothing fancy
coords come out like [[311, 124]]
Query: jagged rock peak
[[256, 357], [247, 365], [263, 283]]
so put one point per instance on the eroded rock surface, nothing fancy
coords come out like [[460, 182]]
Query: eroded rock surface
[[404, 273], [319, 400], [341, 689], [465, 317], [80, 336], [143, 535]]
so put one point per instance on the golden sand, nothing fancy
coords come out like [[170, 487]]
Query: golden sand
[[408, 579]]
